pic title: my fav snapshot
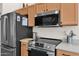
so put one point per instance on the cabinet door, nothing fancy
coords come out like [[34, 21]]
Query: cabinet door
[[31, 15], [41, 7], [65, 53], [22, 11], [52, 6], [68, 14], [24, 49]]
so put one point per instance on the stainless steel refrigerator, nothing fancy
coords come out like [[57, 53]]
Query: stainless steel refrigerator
[[12, 31]]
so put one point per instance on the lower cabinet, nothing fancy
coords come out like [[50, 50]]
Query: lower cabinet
[[65, 53], [24, 49]]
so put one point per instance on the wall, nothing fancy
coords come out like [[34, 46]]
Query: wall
[[9, 7], [29, 4], [57, 32], [0, 7]]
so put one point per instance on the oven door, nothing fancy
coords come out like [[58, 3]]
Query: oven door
[[37, 52]]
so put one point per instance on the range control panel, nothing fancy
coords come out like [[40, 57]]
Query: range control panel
[[39, 45], [45, 46]]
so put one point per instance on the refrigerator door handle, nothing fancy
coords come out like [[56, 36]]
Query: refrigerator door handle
[[5, 28]]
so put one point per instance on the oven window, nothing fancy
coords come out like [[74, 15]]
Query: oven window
[[34, 52]]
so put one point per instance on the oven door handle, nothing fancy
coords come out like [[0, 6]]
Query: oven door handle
[[52, 53], [37, 52], [38, 49]]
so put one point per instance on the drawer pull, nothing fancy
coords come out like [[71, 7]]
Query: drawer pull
[[65, 55]]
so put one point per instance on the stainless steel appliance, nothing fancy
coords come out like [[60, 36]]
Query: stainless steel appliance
[[43, 47], [13, 29], [8, 35], [50, 18]]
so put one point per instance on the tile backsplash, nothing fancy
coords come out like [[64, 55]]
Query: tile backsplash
[[56, 32], [49, 32]]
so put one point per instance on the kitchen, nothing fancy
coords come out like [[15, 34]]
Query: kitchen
[[69, 25]]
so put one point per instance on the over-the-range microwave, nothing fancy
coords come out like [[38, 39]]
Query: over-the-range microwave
[[51, 18]]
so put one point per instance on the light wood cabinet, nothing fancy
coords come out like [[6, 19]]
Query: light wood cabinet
[[65, 53], [68, 13], [52, 6], [44, 7], [31, 15], [24, 49], [41, 7], [24, 46], [22, 11]]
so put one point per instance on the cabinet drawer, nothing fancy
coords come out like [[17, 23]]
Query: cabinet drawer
[[24, 53], [66, 53], [24, 45], [24, 49]]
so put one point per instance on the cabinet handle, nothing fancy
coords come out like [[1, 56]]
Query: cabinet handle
[[65, 55], [43, 10], [46, 9]]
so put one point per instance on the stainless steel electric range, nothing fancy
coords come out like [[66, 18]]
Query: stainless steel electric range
[[43, 47]]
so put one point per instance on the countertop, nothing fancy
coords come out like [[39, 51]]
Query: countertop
[[74, 47], [26, 39]]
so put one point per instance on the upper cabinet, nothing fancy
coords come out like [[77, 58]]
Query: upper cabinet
[[68, 13], [41, 7], [52, 6], [44, 7], [22, 11], [31, 15]]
